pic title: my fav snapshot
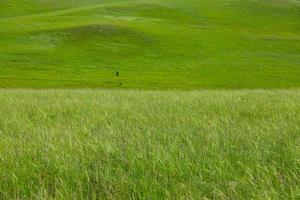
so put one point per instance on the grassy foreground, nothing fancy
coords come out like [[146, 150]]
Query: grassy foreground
[[92, 144]]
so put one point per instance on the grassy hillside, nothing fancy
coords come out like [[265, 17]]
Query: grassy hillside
[[89, 144], [153, 43]]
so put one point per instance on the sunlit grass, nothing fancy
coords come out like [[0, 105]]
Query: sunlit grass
[[161, 44], [114, 144]]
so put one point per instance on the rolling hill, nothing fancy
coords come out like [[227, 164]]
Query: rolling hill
[[154, 44]]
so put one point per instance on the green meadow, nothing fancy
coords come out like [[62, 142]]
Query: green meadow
[[114, 144], [154, 44], [150, 99]]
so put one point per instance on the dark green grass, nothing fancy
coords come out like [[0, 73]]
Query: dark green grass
[[114, 144], [181, 44]]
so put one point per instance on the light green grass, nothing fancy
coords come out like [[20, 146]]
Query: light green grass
[[160, 44], [110, 144]]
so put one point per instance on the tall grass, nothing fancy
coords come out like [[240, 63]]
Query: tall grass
[[106, 144]]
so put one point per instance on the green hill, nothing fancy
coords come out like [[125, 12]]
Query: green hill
[[163, 44]]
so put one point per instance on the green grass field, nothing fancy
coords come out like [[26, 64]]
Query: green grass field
[[155, 44], [206, 104], [111, 144]]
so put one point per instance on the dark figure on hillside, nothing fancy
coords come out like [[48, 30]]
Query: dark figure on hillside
[[117, 73]]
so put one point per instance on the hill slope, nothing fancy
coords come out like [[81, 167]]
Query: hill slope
[[153, 44]]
